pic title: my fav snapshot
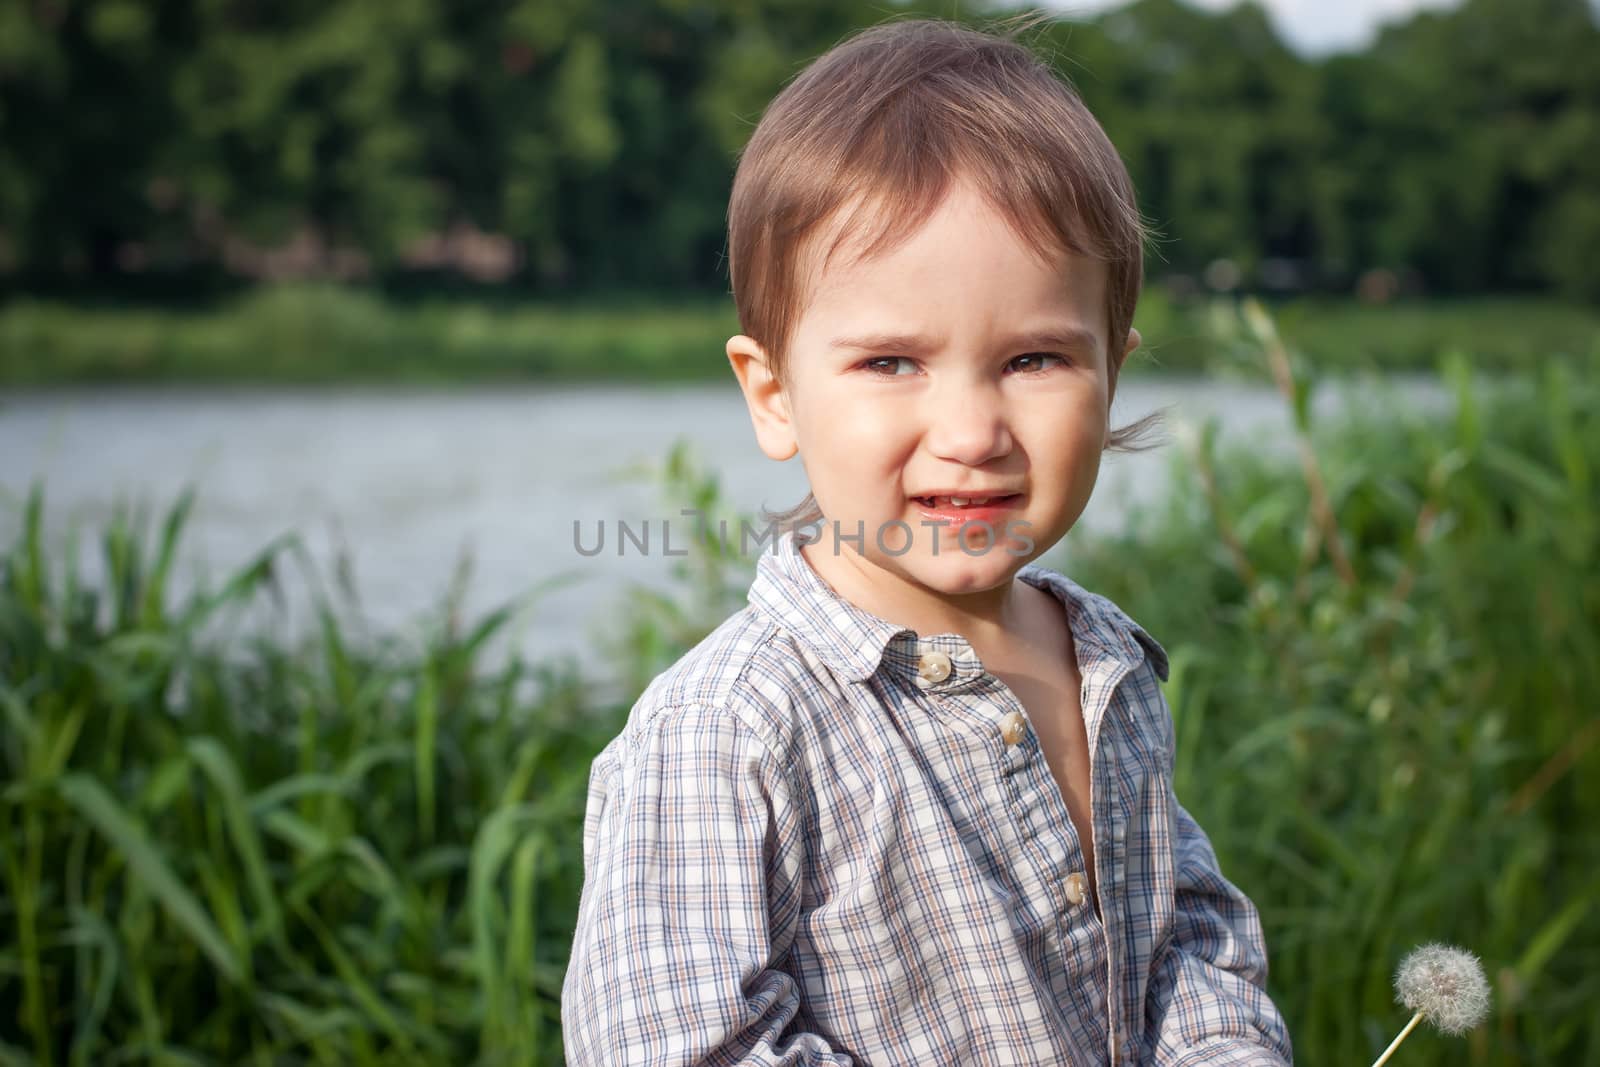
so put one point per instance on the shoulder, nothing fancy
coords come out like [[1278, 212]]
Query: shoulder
[[1152, 649], [1104, 616], [706, 750], [749, 676]]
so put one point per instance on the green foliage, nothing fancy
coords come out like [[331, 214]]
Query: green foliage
[[218, 847], [602, 139], [1405, 750]]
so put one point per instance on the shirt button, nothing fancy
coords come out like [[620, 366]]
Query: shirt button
[[1013, 727], [1076, 886], [933, 667]]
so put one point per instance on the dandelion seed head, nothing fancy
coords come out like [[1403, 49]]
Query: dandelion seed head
[[1446, 984]]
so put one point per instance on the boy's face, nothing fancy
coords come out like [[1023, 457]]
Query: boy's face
[[975, 407]]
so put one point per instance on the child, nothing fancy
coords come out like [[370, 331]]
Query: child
[[913, 805]]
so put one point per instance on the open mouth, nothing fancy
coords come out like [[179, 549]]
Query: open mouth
[[957, 503]]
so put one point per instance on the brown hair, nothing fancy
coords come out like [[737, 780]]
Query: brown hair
[[885, 121]]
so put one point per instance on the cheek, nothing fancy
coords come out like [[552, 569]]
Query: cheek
[[1066, 431], [1065, 451], [850, 422]]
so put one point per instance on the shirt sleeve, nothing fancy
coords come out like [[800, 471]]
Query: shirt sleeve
[[1207, 1001], [692, 858]]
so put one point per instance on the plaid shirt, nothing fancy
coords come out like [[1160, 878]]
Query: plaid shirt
[[806, 846]]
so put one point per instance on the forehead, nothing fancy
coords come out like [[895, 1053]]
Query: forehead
[[876, 256]]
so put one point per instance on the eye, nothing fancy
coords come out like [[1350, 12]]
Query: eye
[[875, 366], [1038, 361]]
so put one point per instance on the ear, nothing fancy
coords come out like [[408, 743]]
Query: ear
[[1134, 341], [769, 407]]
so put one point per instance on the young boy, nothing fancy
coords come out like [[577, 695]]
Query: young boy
[[914, 803]]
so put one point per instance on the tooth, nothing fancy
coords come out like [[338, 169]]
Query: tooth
[[959, 501]]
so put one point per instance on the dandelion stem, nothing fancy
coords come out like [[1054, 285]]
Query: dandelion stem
[[1410, 1026]]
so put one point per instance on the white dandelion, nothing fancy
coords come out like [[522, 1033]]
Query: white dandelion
[[1444, 985]]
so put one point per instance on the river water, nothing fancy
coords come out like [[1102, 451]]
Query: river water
[[402, 484]]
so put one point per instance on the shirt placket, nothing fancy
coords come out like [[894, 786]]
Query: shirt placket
[[1039, 815], [1110, 816], [959, 694]]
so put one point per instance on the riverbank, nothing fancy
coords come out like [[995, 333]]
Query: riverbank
[[300, 334]]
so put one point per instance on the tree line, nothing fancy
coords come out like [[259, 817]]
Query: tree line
[[572, 146]]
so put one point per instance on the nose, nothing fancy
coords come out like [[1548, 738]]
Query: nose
[[967, 423]]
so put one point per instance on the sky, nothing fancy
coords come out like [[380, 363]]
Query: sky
[[1311, 27]]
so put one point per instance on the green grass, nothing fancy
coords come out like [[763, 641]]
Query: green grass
[[1511, 334], [218, 848], [322, 334], [311, 334]]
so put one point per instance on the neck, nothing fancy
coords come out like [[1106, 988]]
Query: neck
[[982, 616]]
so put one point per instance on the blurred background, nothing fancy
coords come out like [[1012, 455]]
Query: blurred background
[[328, 331]]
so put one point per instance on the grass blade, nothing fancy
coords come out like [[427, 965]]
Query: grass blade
[[90, 800]]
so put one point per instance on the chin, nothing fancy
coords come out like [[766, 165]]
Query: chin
[[955, 571]]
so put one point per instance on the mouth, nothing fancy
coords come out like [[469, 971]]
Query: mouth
[[955, 510]]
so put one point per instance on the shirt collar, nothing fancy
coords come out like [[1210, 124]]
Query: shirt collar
[[853, 643]]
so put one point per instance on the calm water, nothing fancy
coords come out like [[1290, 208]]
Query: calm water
[[404, 483]]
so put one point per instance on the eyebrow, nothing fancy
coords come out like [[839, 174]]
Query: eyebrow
[[916, 344]]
